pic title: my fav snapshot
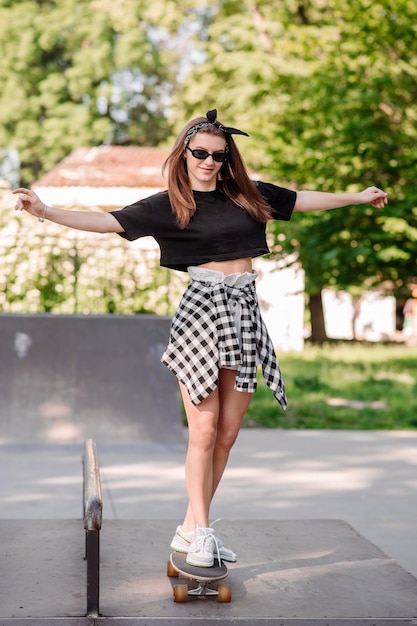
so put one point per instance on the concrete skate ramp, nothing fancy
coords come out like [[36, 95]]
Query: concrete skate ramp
[[66, 378]]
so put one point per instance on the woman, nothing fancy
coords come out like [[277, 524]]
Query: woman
[[210, 222]]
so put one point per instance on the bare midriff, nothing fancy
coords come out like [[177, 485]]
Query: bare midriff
[[230, 267]]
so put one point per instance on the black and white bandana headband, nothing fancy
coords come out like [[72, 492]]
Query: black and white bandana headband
[[212, 121]]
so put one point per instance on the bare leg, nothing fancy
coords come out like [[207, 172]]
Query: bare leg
[[213, 427], [233, 406], [202, 428]]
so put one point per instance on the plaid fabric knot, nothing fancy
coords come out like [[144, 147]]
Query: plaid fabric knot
[[203, 339]]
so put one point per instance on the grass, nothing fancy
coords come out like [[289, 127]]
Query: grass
[[342, 386]]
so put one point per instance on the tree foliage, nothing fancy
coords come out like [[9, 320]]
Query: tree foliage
[[80, 72], [327, 90]]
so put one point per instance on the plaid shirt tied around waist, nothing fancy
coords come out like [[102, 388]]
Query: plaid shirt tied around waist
[[203, 339]]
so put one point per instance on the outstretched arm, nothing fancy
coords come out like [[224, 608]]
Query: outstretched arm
[[322, 201], [81, 220]]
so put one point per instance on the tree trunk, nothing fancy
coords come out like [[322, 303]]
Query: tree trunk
[[318, 329]]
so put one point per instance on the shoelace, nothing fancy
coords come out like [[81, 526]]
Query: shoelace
[[202, 539], [219, 541], [217, 547]]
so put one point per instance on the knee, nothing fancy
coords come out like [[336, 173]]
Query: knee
[[226, 437], [203, 437]]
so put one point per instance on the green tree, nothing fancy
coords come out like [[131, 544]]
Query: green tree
[[81, 72], [355, 125]]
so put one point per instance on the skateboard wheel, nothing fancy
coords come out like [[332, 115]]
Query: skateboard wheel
[[180, 593], [171, 571], [224, 593]]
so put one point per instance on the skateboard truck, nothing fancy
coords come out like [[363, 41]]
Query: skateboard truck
[[203, 590]]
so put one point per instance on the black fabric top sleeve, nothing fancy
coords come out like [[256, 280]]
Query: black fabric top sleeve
[[280, 199], [136, 219]]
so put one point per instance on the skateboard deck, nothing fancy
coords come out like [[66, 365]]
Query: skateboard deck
[[199, 581]]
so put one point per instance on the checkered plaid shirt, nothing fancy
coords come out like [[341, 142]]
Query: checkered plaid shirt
[[203, 339]]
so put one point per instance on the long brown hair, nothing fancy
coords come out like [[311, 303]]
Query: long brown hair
[[233, 181]]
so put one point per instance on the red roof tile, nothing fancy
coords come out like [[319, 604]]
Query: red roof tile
[[109, 166]]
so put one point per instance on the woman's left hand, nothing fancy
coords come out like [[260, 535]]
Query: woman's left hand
[[374, 196]]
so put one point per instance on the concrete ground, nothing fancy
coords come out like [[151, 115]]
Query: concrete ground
[[367, 478], [299, 573]]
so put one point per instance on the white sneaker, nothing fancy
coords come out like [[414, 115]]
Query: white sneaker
[[225, 553], [202, 549], [182, 540]]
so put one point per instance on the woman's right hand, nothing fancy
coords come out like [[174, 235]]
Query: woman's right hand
[[92, 221], [30, 202]]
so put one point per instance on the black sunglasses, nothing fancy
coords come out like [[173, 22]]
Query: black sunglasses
[[202, 155]]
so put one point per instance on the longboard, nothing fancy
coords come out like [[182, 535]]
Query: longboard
[[199, 581]]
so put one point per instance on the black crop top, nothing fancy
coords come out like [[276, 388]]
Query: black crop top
[[218, 231]]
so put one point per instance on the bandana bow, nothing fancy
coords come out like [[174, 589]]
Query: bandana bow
[[212, 118], [212, 121]]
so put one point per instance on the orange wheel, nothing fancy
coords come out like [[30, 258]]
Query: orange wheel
[[224, 593], [171, 571], [180, 593]]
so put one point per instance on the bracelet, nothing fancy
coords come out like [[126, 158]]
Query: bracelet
[[42, 219]]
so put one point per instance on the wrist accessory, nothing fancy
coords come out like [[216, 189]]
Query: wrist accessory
[[42, 219]]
